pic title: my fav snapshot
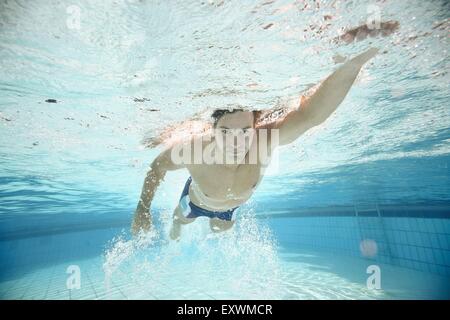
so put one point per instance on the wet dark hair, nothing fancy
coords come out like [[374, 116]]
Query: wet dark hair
[[219, 113]]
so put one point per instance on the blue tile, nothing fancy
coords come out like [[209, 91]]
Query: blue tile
[[403, 225], [421, 226], [446, 255], [441, 270], [430, 225], [419, 239], [426, 241], [444, 241], [414, 224], [438, 225], [403, 252], [398, 237], [433, 268], [421, 254], [394, 250], [410, 252], [446, 224], [411, 238], [403, 238], [424, 267], [447, 271], [429, 255], [410, 264], [439, 257], [414, 254], [434, 240]]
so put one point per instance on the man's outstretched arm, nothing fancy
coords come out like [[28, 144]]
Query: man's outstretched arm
[[158, 169], [317, 108]]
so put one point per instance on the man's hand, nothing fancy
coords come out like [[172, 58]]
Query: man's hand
[[365, 56], [142, 221]]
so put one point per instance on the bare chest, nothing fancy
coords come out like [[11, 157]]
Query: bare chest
[[219, 182]]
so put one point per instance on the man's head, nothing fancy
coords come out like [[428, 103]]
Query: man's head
[[234, 130]]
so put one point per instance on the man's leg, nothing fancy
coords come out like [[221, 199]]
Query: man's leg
[[178, 220]]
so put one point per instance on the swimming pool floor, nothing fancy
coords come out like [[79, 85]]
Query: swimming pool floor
[[303, 275]]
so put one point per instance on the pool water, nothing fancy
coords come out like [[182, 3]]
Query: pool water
[[356, 208]]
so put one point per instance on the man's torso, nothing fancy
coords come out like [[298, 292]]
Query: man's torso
[[217, 187]]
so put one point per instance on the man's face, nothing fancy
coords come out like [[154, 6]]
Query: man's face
[[234, 133]]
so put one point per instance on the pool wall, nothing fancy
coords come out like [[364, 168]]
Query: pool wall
[[411, 237]]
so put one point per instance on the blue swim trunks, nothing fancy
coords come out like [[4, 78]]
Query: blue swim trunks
[[190, 210]]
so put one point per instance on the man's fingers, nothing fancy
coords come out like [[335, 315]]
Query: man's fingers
[[369, 54], [372, 52]]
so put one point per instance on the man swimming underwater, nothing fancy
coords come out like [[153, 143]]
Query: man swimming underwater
[[216, 189]]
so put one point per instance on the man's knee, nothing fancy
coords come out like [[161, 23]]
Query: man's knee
[[180, 218], [219, 225]]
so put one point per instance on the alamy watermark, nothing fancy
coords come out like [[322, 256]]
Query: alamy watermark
[[74, 279], [229, 146], [374, 280], [374, 17], [73, 21]]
